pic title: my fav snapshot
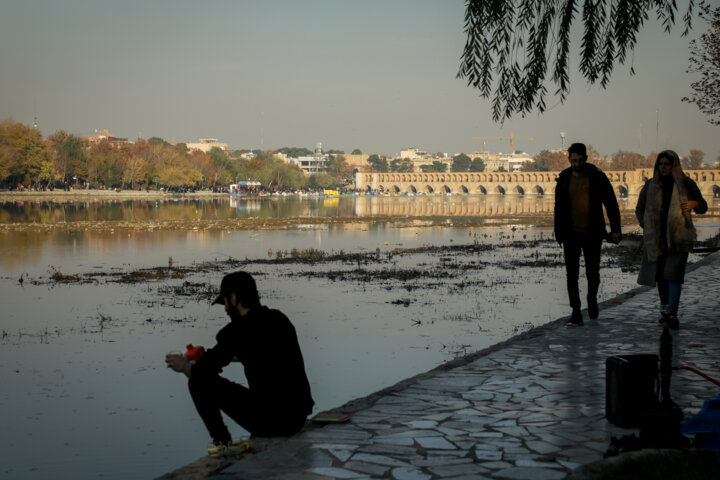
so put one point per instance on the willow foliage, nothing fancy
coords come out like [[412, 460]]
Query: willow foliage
[[705, 61], [511, 42]]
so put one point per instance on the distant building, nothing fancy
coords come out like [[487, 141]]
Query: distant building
[[503, 161], [311, 164], [357, 161], [412, 153], [105, 136], [207, 144]]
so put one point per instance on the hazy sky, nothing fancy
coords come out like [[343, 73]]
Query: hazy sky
[[374, 75]]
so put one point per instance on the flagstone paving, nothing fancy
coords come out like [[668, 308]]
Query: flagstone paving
[[530, 408]]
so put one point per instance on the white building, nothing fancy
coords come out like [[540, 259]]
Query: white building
[[312, 164], [207, 144], [412, 153]]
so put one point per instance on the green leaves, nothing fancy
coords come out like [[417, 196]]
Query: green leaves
[[705, 65], [510, 42]]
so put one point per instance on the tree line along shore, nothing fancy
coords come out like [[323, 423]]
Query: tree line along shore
[[64, 161]]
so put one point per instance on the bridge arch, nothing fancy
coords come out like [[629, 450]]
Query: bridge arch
[[411, 189], [499, 189], [428, 189], [621, 191], [537, 189], [464, 189], [481, 190], [395, 189], [519, 190], [445, 189]]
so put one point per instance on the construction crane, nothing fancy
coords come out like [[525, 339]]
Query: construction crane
[[511, 138]]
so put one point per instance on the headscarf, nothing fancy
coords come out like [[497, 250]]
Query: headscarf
[[680, 232]]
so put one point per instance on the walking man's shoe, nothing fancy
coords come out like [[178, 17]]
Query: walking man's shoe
[[576, 319], [593, 310]]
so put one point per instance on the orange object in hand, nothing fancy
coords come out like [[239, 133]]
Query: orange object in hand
[[194, 353]]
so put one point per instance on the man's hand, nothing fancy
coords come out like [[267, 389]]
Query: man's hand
[[178, 363], [689, 205], [616, 238]]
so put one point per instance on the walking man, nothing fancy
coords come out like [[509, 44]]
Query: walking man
[[580, 194], [277, 399]]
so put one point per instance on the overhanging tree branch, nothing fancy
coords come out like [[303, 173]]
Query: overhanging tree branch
[[705, 61], [499, 32]]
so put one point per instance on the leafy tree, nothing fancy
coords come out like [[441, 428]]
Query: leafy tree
[[22, 153], [334, 152], [477, 165], [694, 161], [378, 164], [622, 160], [135, 167], [45, 176], [322, 180], [219, 167], [158, 141], [705, 60], [265, 155], [356, 152], [278, 174], [338, 167], [175, 170], [105, 164], [509, 43], [436, 166], [295, 152], [460, 163], [547, 161], [401, 165], [70, 158]]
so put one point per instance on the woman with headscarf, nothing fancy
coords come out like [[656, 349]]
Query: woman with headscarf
[[664, 212]]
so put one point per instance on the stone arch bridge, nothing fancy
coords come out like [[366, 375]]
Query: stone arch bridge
[[626, 183]]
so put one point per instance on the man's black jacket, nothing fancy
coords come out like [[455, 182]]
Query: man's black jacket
[[266, 344], [601, 193]]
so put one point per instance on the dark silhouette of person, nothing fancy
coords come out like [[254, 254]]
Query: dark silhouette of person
[[277, 400], [580, 194]]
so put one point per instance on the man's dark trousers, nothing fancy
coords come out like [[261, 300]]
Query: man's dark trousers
[[215, 394], [590, 247]]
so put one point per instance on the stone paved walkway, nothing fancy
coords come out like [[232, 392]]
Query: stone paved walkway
[[530, 408]]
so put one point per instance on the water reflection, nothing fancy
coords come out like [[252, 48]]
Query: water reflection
[[45, 212], [79, 361]]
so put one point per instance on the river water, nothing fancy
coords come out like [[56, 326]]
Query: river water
[[85, 390]]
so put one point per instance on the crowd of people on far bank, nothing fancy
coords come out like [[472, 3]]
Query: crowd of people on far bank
[[278, 400]]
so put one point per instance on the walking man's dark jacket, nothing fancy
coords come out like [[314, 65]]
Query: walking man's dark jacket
[[601, 193]]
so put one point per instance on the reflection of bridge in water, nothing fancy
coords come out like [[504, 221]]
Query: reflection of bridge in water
[[462, 206], [626, 183]]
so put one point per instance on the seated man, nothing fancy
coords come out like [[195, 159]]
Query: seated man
[[278, 399]]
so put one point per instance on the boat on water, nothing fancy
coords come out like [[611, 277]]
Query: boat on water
[[244, 187]]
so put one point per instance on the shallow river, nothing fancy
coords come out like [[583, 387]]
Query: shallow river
[[85, 390]]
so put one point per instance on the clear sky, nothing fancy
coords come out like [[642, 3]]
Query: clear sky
[[376, 75]]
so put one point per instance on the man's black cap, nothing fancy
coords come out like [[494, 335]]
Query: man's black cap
[[239, 283]]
